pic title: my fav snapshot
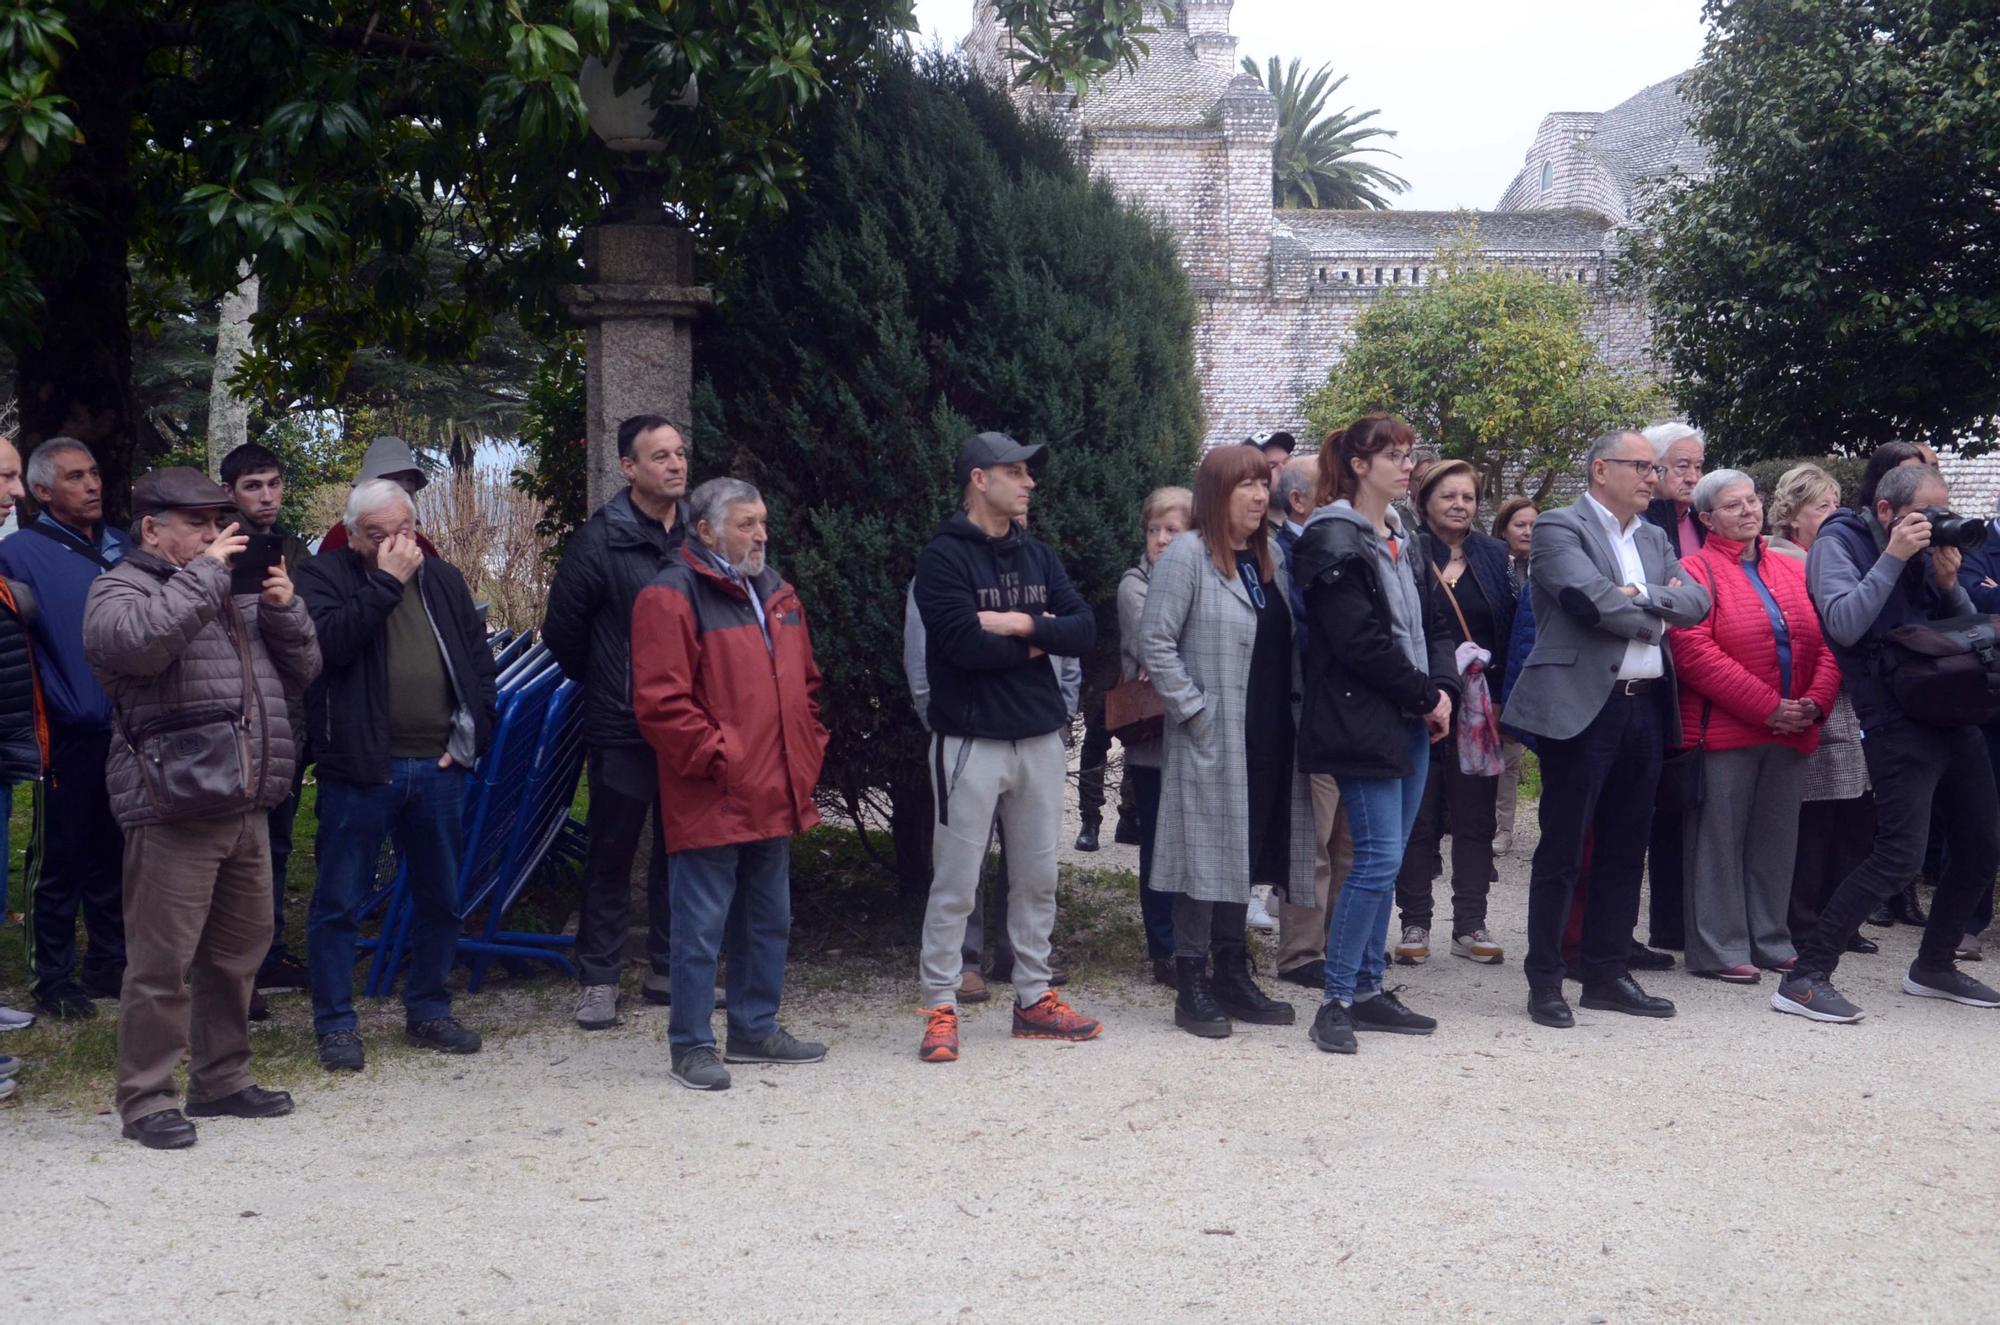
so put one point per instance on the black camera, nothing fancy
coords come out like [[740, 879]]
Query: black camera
[[1951, 530]]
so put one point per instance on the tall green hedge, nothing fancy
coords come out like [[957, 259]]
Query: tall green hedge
[[947, 268]]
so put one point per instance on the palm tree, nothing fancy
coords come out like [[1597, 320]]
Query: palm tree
[[1313, 162]]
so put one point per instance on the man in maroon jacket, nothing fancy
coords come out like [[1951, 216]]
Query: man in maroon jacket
[[726, 692]]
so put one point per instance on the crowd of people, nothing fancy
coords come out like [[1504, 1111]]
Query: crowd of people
[[1328, 665]]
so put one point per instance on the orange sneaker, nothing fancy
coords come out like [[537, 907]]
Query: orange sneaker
[[940, 1035], [1049, 1018]]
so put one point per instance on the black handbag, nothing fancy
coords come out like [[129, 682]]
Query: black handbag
[[1682, 781]]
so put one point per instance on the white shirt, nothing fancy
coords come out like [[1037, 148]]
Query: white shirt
[[1642, 661]]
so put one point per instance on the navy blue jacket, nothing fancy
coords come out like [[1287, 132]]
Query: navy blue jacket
[[1982, 564], [60, 571]]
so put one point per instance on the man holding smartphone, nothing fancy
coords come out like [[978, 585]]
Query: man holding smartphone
[[255, 482]]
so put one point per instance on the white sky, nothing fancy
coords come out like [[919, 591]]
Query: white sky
[[1463, 82]]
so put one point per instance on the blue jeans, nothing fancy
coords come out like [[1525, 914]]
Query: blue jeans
[[1380, 812], [423, 806], [757, 877]]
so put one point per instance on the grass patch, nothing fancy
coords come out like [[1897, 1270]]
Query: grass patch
[[853, 930]]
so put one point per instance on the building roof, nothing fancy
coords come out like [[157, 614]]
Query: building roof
[[1646, 136], [1348, 232], [1171, 89]]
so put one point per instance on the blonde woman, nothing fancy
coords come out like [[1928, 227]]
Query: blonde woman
[[1168, 513]]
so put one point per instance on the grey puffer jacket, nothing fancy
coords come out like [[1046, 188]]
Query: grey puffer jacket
[[162, 640]]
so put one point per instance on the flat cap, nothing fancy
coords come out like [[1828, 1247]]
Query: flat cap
[[177, 488]]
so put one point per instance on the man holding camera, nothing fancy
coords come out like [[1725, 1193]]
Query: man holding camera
[[1870, 572], [200, 670]]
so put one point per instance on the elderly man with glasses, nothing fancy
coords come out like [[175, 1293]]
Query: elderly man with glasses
[[1598, 692]]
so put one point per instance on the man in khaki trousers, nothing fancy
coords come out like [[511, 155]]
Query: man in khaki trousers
[[1302, 929], [199, 677]]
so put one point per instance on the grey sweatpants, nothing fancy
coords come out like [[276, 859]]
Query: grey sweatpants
[[1739, 845], [971, 779]]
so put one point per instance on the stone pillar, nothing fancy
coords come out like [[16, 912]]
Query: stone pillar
[[1249, 117], [638, 309]]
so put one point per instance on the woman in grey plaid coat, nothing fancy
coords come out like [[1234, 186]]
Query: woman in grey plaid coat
[[1216, 639]]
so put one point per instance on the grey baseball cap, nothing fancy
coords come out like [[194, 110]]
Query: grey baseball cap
[[987, 449]]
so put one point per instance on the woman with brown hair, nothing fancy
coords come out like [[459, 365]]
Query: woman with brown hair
[[1216, 639], [1468, 570], [1380, 685]]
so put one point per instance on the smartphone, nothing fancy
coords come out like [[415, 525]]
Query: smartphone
[[253, 563]]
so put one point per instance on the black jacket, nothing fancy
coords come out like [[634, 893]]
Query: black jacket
[[588, 627], [23, 729], [1486, 557], [984, 684], [1664, 516], [348, 706], [1360, 689]]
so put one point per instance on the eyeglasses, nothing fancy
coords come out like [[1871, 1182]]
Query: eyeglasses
[[1643, 466], [1400, 458]]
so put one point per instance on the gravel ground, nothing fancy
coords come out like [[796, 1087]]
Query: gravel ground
[[1730, 1164]]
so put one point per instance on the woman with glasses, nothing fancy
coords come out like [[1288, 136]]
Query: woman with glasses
[[1756, 683], [1380, 684], [1216, 639]]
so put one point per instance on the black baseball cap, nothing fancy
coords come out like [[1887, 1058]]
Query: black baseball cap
[[1260, 440], [986, 449]]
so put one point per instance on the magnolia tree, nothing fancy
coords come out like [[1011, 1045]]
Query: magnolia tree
[[1490, 364]]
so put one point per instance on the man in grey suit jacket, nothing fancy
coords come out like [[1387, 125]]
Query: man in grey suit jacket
[[1598, 691]]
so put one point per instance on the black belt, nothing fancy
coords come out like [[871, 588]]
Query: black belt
[[1638, 687]]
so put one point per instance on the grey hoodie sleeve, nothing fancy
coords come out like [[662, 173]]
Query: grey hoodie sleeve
[[914, 670], [1848, 599]]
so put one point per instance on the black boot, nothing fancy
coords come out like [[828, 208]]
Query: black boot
[[1907, 907], [1087, 839], [1196, 1010], [1238, 993]]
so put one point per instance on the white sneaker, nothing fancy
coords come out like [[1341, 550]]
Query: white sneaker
[[1260, 916], [12, 1019], [1415, 949], [1478, 946]]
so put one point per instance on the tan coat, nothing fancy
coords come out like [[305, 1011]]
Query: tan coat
[[162, 640]]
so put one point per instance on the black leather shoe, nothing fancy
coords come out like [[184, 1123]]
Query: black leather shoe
[[1908, 907], [341, 1051], [1644, 958], [66, 1001], [1624, 995], [249, 1102], [1087, 839], [168, 1129], [1865, 946], [1312, 974], [1196, 1010], [259, 1009], [443, 1034], [1164, 974], [1882, 916], [1126, 831], [1549, 1008]]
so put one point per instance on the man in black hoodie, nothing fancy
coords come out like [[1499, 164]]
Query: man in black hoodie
[[995, 603], [619, 551]]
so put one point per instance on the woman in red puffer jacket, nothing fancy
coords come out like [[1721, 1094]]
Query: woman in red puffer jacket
[[1756, 683]]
